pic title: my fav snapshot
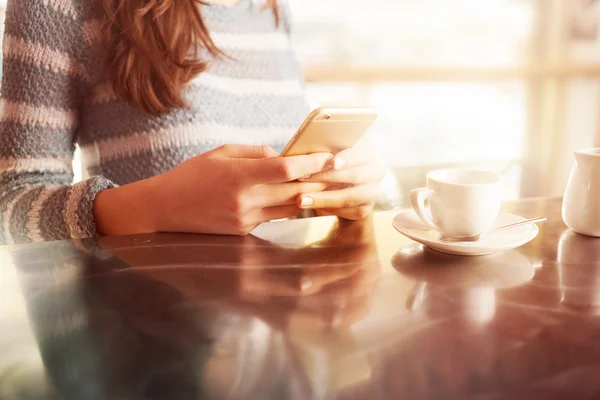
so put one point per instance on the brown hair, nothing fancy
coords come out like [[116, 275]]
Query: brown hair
[[152, 49]]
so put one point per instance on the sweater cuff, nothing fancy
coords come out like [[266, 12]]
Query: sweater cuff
[[79, 213]]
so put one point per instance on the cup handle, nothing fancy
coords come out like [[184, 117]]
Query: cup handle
[[418, 198]]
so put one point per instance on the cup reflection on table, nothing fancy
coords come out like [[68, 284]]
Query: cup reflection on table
[[448, 285], [476, 305], [579, 271], [455, 305]]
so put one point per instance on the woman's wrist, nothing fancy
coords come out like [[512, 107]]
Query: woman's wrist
[[127, 210]]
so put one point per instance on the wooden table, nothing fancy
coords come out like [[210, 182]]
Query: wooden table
[[306, 309]]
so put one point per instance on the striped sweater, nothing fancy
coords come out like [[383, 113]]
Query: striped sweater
[[54, 97]]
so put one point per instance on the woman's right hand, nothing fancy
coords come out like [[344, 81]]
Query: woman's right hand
[[230, 190]]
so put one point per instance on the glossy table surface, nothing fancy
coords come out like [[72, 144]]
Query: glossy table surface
[[303, 309]]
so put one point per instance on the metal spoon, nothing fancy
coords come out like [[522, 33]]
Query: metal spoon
[[475, 238]]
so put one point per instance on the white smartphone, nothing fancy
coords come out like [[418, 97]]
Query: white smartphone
[[331, 130]]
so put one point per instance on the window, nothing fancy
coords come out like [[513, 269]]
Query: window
[[502, 84]]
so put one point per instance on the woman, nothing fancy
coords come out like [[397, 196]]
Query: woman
[[178, 107]]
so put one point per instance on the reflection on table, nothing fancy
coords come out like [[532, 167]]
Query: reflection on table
[[303, 309]]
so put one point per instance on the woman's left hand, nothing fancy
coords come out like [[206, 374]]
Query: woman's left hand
[[354, 181]]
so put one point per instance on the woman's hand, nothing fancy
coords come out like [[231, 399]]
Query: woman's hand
[[353, 185], [230, 190]]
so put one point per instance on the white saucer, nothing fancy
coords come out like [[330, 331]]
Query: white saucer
[[409, 224]]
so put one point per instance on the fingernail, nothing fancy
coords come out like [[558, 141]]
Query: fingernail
[[307, 201], [306, 177], [305, 284], [339, 163]]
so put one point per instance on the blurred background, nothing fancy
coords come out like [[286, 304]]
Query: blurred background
[[507, 85]]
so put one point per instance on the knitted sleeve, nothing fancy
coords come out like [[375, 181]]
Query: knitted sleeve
[[43, 72]]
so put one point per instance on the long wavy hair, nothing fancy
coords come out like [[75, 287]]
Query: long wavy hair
[[152, 49]]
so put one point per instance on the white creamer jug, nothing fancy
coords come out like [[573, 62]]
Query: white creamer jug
[[581, 204]]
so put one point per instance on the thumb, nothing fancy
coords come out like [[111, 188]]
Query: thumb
[[246, 151]]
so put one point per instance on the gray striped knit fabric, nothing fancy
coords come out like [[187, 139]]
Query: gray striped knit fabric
[[54, 96]]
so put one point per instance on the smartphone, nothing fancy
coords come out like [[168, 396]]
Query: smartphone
[[330, 130]]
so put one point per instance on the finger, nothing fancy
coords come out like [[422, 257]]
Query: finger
[[282, 194], [362, 174], [351, 197], [261, 215], [285, 169], [352, 213], [272, 213], [354, 156], [246, 151]]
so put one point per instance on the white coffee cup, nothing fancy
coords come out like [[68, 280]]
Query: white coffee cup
[[461, 202]]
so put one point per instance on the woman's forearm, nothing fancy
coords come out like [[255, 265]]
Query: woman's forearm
[[127, 210]]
